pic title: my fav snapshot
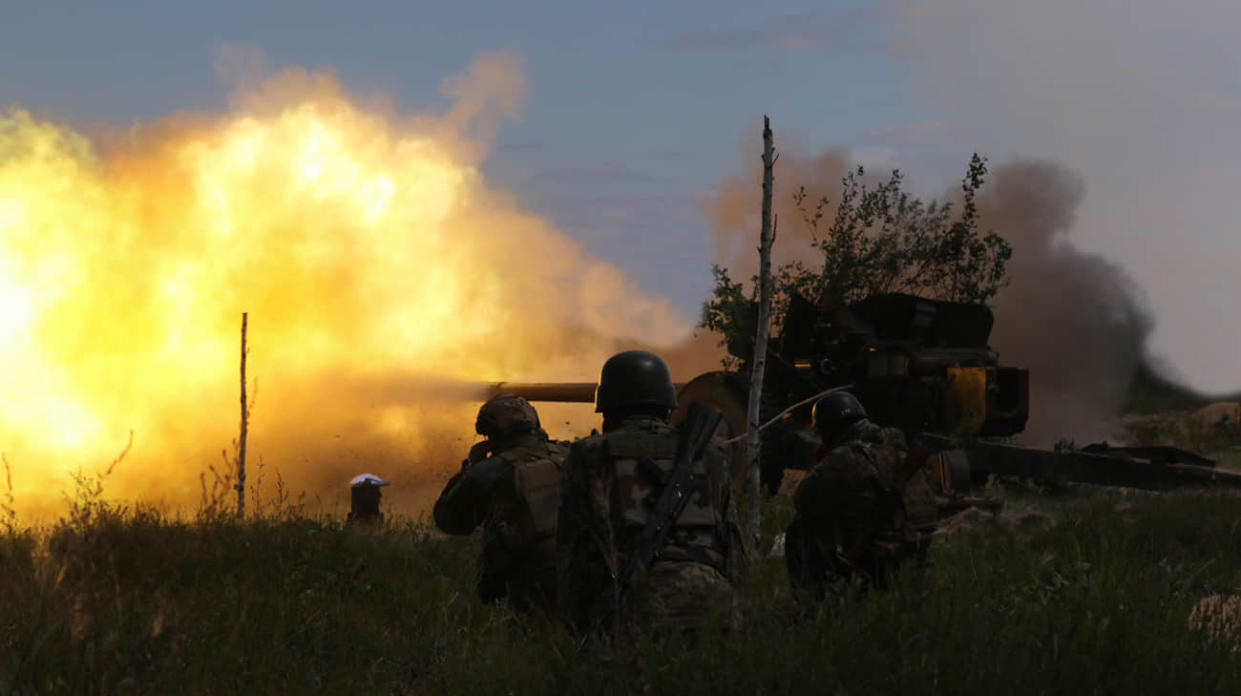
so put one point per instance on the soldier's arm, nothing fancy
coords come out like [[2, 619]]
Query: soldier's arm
[[895, 437], [463, 504], [812, 498]]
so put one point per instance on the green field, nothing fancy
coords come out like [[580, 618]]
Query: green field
[[135, 602]]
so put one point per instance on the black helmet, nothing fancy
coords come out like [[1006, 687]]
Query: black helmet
[[835, 410], [504, 415], [635, 378]]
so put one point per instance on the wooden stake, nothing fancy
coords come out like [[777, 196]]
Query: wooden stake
[[245, 422], [759, 365]]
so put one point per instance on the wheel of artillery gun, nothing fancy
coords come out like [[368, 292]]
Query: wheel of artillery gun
[[728, 392]]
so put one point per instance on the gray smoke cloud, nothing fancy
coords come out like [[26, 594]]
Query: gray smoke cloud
[[1074, 318], [1142, 98]]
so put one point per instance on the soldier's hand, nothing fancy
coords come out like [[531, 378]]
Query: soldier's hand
[[479, 452]]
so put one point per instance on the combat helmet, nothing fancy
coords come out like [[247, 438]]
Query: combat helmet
[[835, 411], [634, 378], [504, 415]]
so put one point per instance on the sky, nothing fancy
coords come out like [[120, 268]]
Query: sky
[[633, 113]]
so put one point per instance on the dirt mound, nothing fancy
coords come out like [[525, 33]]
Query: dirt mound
[[968, 521], [1221, 419], [1022, 526], [1218, 617]]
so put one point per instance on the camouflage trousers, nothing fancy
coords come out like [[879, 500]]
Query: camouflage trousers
[[680, 595]]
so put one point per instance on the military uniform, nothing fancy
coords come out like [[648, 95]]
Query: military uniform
[[851, 522], [611, 483], [513, 494]]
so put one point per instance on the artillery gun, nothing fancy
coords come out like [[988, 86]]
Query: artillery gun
[[917, 364], [922, 365]]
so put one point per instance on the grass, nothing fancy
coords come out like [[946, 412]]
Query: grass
[[133, 601]]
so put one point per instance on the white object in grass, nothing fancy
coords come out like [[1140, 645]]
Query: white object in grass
[[368, 480]]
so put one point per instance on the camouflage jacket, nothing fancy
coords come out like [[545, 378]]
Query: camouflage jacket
[[852, 484], [611, 483], [513, 494]]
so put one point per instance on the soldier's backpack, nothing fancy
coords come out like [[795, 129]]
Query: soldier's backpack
[[519, 550], [537, 483]]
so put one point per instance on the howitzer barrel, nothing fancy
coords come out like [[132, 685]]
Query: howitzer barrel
[[563, 392], [570, 392]]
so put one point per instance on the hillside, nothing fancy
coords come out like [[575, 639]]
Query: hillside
[[1153, 393]]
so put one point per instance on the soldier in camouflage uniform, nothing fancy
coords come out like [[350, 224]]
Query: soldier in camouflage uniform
[[509, 484], [611, 483], [852, 522]]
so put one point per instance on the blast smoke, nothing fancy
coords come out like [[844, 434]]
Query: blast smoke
[[1141, 99], [366, 248], [1073, 318], [733, 210]]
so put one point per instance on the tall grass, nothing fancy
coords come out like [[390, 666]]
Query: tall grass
[[134, 601]]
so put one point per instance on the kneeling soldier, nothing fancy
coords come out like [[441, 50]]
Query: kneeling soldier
[[510, 484], [863, 510]]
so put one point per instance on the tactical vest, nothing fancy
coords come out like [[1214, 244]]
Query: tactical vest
[[643, 461], [536, 482]]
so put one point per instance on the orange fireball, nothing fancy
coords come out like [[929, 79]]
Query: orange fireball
[[368, 251]]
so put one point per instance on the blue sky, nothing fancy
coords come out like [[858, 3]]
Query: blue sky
[[635, 111], [632, 112]]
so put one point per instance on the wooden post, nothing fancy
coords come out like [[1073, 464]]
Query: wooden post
[[766, 235], [245, 421]]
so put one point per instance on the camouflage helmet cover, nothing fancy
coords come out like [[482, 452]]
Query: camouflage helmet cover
[[836, 409], [506, 414]]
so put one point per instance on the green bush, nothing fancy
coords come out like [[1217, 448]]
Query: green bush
[[880, 239]]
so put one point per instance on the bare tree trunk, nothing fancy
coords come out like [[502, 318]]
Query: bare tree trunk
[[245, 422], [766, 235]]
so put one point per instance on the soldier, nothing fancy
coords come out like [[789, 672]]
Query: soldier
[[864, 508], [510, 484], [612, 482]]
